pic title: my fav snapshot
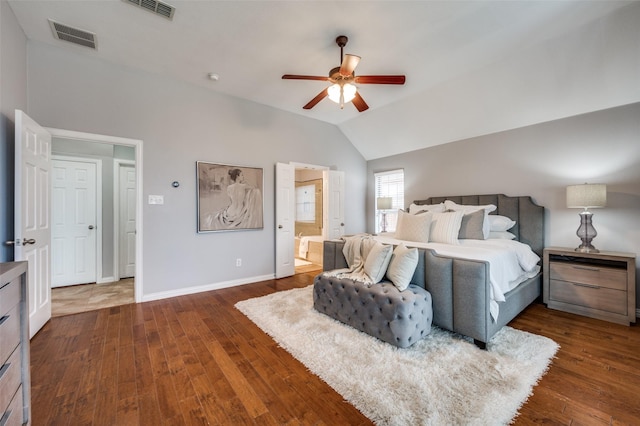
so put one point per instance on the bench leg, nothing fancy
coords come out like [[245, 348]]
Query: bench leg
[[482, 345]]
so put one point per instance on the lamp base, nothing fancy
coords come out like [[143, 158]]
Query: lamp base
[[587, 249], [586, 232]]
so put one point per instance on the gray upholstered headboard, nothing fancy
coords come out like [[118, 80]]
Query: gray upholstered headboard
[[529, 216]]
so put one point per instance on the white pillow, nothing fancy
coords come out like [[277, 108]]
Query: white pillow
[[435, 208], [413, 227], [488, 208], [445, 227], [500, 223], [402, 266], [501, 235], [375, 265]]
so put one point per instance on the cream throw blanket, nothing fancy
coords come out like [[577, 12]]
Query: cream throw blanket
[[356, 249]]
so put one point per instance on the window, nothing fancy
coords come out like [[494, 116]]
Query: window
[[389, 184], [306, 203]]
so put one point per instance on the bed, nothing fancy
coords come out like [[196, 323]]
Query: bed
[[461, 288], [309, 248]]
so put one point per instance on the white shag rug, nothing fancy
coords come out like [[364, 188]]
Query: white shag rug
[[441, 380]]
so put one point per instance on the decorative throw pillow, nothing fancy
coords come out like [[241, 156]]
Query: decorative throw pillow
[[445, 227], [500, 223], [501, 235], [412, 227], [434, 208], [402, 266], [375, 265], [471, 226], [488, 208]]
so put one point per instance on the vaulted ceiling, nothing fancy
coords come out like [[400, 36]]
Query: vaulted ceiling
[[472, 67]]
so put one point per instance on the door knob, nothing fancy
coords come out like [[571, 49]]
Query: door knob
[[29, 241], [10, 242], [279, 226], [90, 226], [342, 224]]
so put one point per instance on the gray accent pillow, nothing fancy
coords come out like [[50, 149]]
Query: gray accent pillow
[[471, 227]]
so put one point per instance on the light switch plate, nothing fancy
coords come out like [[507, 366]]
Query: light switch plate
[[156, 199]]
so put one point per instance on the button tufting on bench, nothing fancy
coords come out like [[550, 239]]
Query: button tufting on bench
[[398, 318]]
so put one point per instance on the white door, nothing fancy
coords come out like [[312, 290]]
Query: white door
[[32, 227], [73, 219], [285, 219], [333, 194], [127, 220]]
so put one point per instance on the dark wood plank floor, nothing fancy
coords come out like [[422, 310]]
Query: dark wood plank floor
[[197, 360]]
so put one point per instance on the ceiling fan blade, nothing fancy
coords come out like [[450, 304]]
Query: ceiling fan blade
[[317, 99], [349, 63], [359, 103], [380, 79], [304, 77]]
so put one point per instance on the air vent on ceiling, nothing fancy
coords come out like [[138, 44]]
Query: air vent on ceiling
[[73, 35], [157, 7]]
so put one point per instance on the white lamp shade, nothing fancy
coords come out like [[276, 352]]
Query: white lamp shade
[[586, 196], [384, 203], [348, 92]]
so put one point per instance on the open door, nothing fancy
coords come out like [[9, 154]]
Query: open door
[[32, 224], [285, 219], [333, 193]]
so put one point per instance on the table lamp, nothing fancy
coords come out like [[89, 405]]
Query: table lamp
[[586, 196], [383, 204]]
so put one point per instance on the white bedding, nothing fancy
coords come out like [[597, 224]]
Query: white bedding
[[511, 262]]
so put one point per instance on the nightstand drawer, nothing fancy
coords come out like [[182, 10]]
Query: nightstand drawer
[[9, 296], [14, 415], [9, 333], [586, 274], [9, 379], [587, 295]]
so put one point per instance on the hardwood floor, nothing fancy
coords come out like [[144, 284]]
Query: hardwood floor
[[197, 360]]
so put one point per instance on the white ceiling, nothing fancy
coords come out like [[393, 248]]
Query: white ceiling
[[250, 44]]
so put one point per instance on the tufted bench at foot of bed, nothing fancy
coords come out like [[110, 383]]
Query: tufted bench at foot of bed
[[400, 318]]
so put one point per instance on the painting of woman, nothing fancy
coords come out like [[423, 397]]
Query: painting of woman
[[230, 198]]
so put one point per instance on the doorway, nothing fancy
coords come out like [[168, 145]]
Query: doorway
[[114, 154], [328, 224]]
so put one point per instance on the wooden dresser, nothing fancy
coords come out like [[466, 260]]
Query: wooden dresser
[[15, 408], [599, 285]]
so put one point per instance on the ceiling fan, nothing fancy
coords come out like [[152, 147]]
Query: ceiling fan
[[343, 78]]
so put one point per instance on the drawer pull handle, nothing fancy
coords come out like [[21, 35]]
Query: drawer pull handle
[[4, 369], [5, 419], [4, 318], [586, 268], [587, 286]]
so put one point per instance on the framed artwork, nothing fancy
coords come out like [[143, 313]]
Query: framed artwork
[[229, 197]]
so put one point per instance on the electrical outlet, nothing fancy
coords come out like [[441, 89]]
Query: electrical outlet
[[238, 262]]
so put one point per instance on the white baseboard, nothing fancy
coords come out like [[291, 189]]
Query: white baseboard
[[106, 280], [206, 287]]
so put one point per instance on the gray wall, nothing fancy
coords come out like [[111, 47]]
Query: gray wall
[[13, 95], [181, 124], [106, 154], [541, 160]]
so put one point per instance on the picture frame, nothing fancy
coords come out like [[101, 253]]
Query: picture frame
[[230, 197]]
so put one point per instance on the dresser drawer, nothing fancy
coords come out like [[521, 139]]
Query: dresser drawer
[[9, 379], [9, 296], [9, 333], [591, 296], [14, 414], [593, 275]]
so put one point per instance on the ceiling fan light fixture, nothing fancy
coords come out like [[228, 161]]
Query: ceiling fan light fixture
[[342, 93]]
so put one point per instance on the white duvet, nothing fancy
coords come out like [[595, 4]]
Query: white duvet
[[510, 262]]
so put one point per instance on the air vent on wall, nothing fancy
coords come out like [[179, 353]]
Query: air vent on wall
[[157, 7], [73, 35]]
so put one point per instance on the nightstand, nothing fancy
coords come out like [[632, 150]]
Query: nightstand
[[598, 285]]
